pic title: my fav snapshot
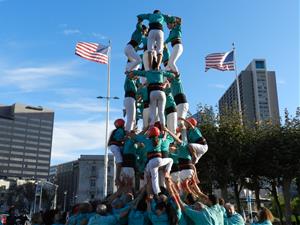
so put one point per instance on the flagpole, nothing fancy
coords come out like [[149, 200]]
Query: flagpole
[[107, 124], [237, 85]]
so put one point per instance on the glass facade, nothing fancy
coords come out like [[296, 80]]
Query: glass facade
[[25, 142]]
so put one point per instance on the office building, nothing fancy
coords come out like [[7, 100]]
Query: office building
[[258, 93], [82, 180], [25, 141]]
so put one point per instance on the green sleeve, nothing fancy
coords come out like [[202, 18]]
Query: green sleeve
[[139, 73], [139, 26], [168, 74], [143, 16], [168, 39], [192, 214], [167, 18]]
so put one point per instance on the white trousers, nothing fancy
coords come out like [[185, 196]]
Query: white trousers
[[146, 59], [128, 173], [175, 177], [116, 150], [182, 109], [145, 117], [152, 168], [200, 150], [157, 100], [172, 121], [155, 39], [176, 53], [186, 174], [133, 57], [129, 104]]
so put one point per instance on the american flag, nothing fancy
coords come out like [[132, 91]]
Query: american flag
[[220, 61], [92, 51]]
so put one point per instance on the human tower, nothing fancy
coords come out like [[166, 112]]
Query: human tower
[[169, 145]]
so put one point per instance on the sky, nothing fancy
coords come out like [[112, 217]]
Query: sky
[[38, 65]]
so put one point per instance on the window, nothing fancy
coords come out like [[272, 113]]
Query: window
[[93, 183]]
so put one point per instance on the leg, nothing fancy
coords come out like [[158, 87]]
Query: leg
[[172, 121], [130, 107], [159, 46], [145, 118], [176, 53], [161, 103], [152, 106], [146, 60]]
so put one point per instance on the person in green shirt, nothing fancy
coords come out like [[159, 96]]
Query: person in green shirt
[[131, 48], [170, 110], [130, 88], [216, 209], [265, 217], [195, 138], [156, 85], [156, 34], [115, 144], [129, 161], [232, 217], [175, 38], [166, 56]]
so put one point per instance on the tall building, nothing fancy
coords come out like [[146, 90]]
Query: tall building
[[258, 93], [82, 180], [25, 141]]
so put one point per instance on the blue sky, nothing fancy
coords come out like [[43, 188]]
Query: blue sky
[[38, 65]]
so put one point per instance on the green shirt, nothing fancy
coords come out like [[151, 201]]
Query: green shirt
[[153, 76], [176, 86], [234, 219], [202, 217], [130, 85], [170, 102], [155, 18], [183, 151], [166, 55], [118, 134], [129, 147], [218, 212], [166, 143], [193, 135], [175, 33], [137, 34]]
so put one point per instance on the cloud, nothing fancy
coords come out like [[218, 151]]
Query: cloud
[[38, 77], [99, 36], [83, 105], [219, 86], [71, 31], [282, 82], [73, 138]]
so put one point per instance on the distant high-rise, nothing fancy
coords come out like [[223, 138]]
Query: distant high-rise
[[258, 92], [25, 141], [82, 180]]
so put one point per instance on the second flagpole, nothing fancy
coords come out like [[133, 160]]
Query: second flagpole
[[237, 85], [107, 124]]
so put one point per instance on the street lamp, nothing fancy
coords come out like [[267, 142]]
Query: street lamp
[[65, 200], [106, 140]]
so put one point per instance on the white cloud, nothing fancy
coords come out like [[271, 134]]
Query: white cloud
[[99, 36], [73, 138], [219, 86], [83, 105], [282, 82], [38, 77], [71, 31]]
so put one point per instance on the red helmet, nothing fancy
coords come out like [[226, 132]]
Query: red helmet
[[119, 123], [153, 132], [193, 121]]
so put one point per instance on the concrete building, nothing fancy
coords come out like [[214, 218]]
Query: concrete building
[[258, 93], [25, 141], [82, 180]]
